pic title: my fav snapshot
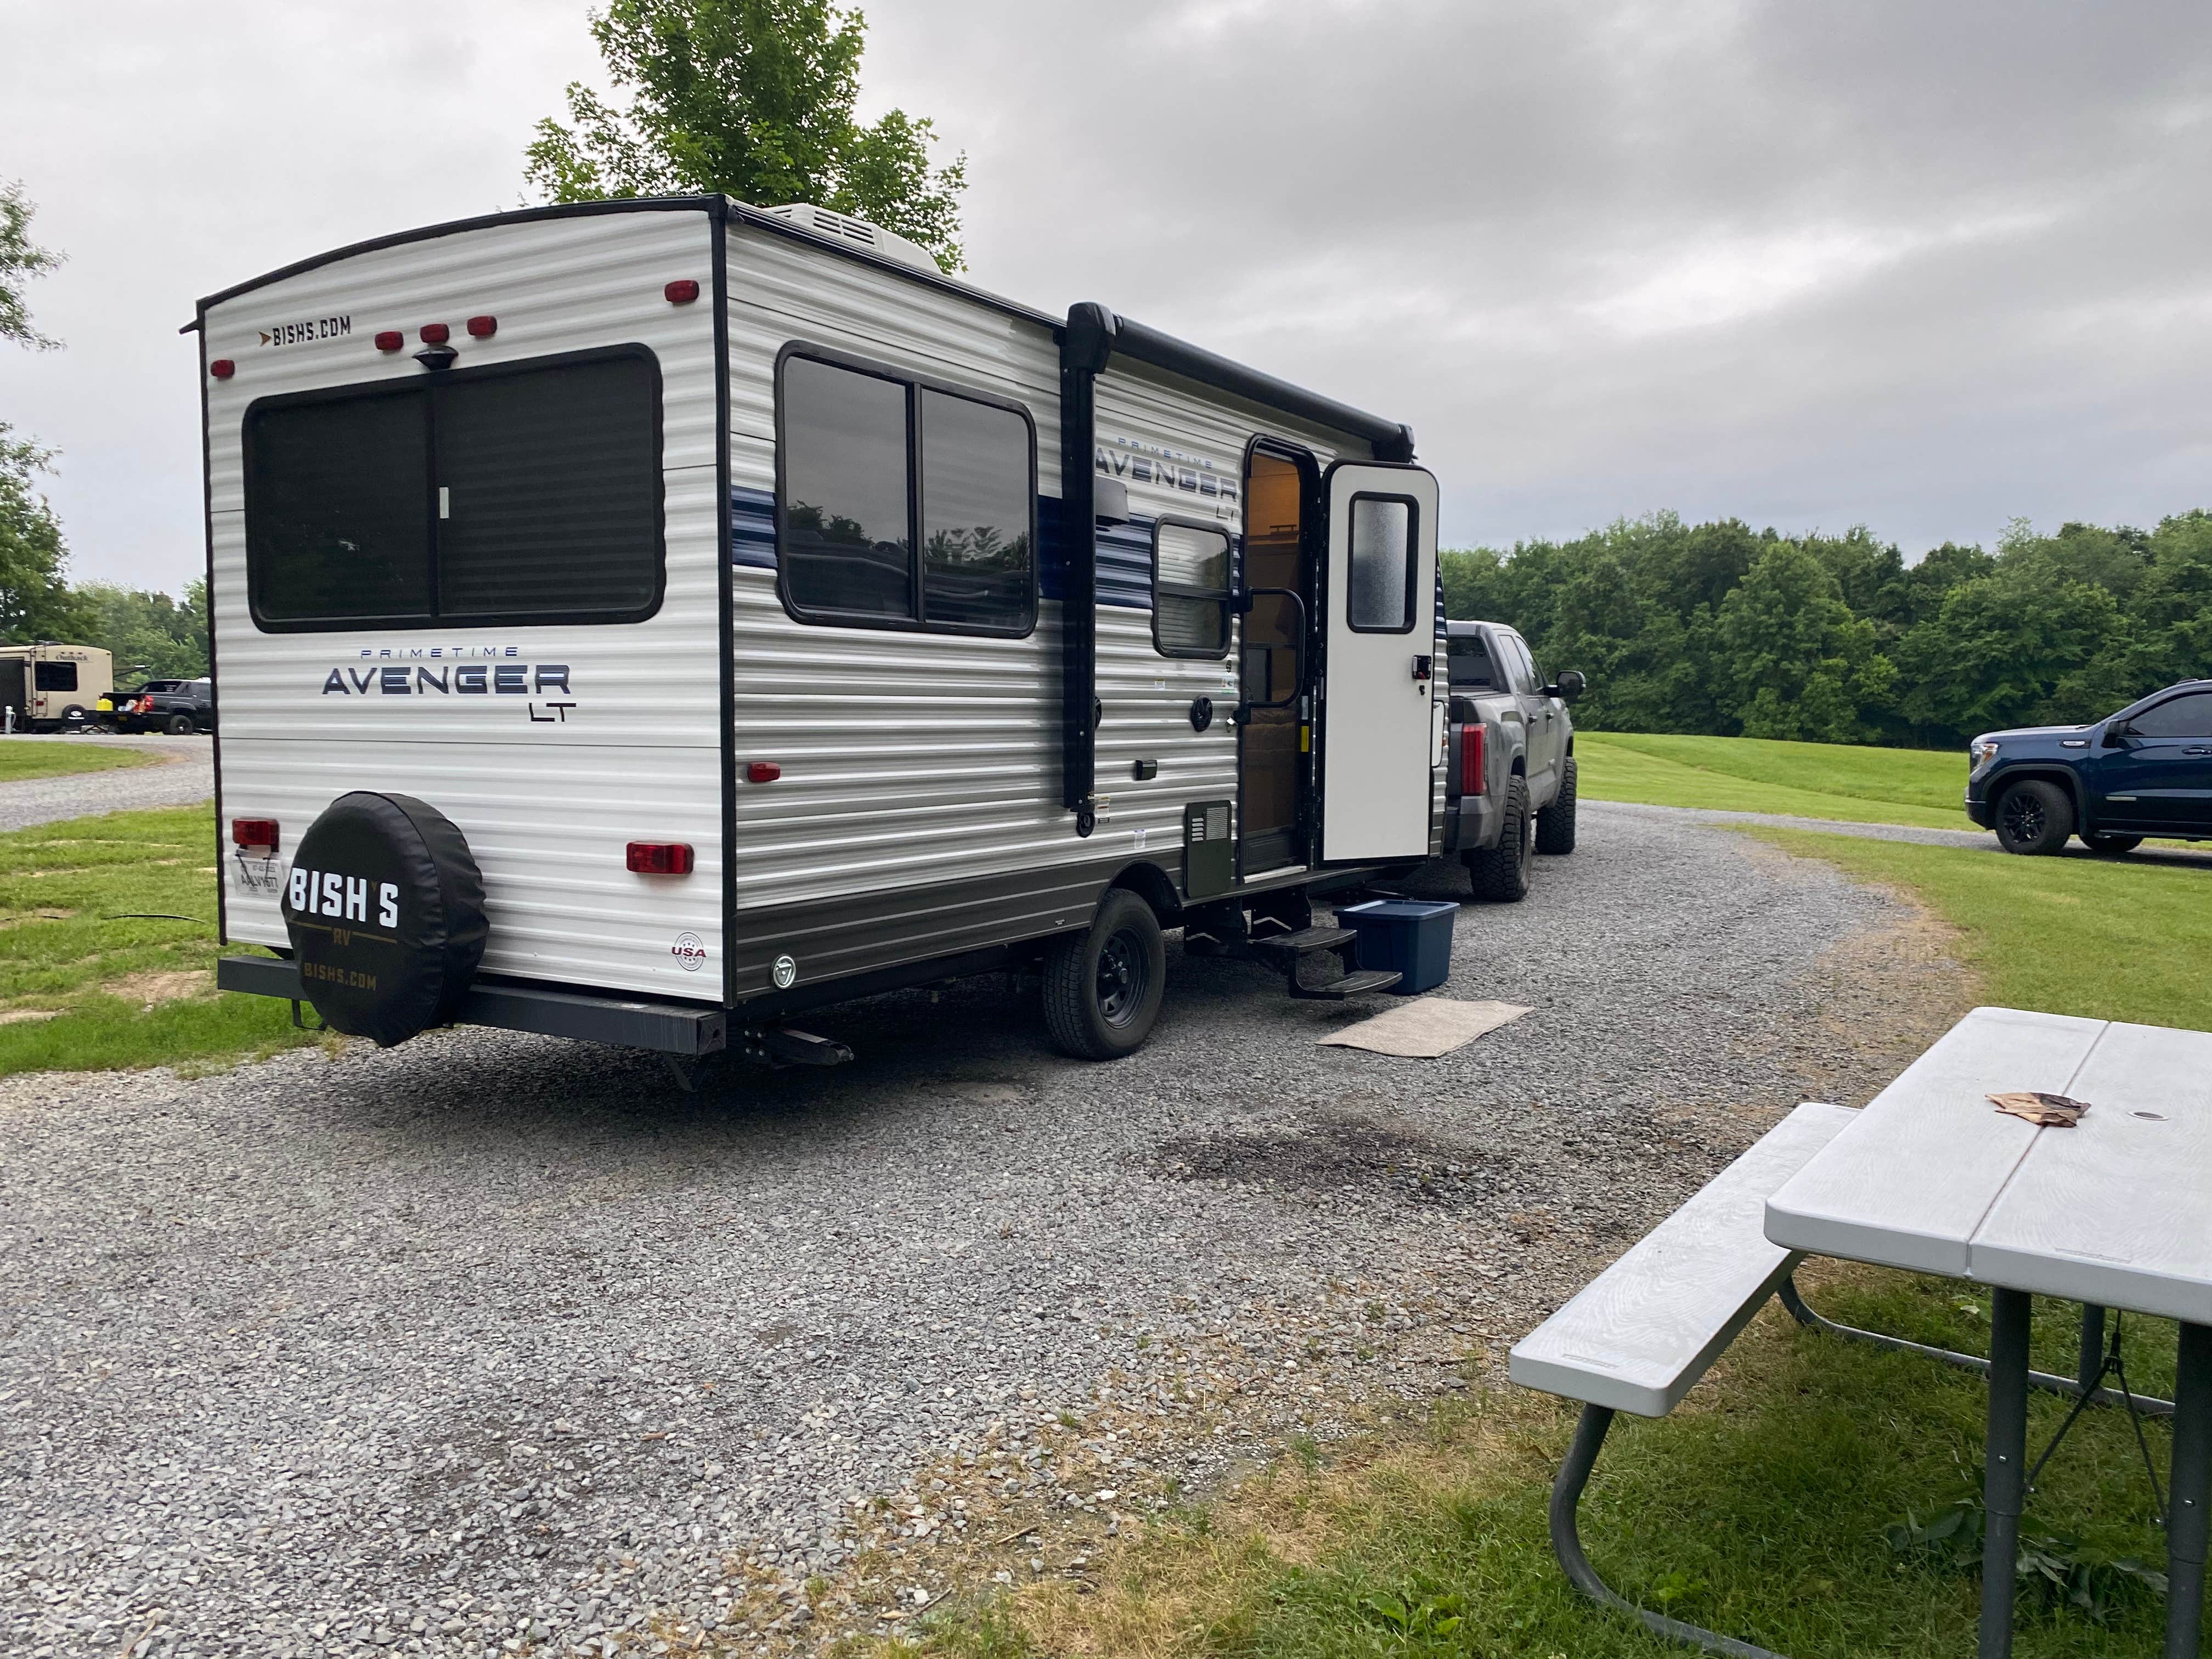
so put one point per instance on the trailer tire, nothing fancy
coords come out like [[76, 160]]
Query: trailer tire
[[385, 909], [1555, 824], [1500, 873], [1102, 990]]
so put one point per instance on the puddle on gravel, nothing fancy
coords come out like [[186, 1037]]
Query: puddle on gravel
[[1326, 1155]]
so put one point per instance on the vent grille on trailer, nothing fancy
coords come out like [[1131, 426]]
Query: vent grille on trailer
[[844, 227]]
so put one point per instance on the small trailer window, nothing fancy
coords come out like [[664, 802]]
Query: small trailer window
[[55, 677], [864, 456], [523, 492], [1190, 589], [1380, 596]]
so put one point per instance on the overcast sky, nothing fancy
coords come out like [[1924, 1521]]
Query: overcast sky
[[1925, 266]]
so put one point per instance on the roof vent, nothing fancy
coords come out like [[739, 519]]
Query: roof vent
[[855, 232]]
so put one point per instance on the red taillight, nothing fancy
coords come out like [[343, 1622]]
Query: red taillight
[[659, 858], [436, 334], [1470, 758], [762, 771], [391, 340], [222, 368], [482, 328], [681, 293], [254, 832]]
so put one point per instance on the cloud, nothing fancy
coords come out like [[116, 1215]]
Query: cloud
[[1925, 267]]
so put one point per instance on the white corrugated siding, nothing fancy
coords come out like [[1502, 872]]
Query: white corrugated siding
[[547, 808]]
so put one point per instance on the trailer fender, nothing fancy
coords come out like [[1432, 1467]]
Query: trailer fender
[[384, 908]]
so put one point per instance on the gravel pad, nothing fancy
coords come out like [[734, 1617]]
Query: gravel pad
[[491, 1337]]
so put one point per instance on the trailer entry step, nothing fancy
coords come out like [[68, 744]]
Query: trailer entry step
[[1352, 985], [1306, 940]]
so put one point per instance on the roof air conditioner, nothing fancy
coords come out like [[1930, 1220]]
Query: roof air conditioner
[[855, 232]]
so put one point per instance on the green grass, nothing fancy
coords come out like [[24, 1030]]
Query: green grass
[[1759, 1509], [2108, 939], [1917, 786], [51, 760], [83, 936]]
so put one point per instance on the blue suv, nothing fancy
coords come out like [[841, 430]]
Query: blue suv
[[2145, 771]]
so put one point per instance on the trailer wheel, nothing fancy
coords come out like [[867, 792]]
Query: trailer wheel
[[1103, 991], [1500, 873], [1555, 824]]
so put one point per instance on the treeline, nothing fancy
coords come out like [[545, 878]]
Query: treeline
[[1721, 630]]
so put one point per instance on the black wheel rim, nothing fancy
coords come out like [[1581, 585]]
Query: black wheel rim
[[1124, 977], [2023, 816]]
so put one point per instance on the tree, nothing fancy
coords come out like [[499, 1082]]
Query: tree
[[20, 259], [751, 98], [35, 603], [151, 634]]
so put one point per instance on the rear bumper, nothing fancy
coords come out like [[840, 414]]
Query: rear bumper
[[668, 1028], [1470, 823]]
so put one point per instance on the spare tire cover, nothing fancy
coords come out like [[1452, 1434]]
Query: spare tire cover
[[385, 906]]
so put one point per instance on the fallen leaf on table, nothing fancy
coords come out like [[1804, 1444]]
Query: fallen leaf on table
[[2051, 1111]]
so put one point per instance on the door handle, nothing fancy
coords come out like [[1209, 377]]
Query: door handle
[[2200, 750]]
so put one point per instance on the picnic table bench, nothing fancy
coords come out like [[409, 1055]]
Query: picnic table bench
[[1911, 1181]]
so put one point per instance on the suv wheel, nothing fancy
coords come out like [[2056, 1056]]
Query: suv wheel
[[180, 726], [1555, 824], [2097, 843], [2035, 816], [1103, 991], [1500, 873]]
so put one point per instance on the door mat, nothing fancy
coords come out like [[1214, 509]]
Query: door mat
[[1425, 1029]]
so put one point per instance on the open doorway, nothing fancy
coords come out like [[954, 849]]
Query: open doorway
[[1275, 739]]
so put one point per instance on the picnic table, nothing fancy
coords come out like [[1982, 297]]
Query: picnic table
[[2115, 1211]]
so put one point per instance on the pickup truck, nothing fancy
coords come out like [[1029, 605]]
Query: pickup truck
[[1509, 758], [2146, 770]]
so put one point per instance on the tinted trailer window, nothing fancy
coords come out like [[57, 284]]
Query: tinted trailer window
[[523, 493]]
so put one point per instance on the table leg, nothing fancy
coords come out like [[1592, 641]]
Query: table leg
[[2004, 1479], [2188, 1519], [2091, 1365]]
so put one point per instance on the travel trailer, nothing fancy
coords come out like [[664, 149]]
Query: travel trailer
[[647, 620], [52, 688]]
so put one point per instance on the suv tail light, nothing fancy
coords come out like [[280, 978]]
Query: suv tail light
[[254, 832], [1470, 757], [659, 858]]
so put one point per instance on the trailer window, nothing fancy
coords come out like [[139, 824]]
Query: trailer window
[[976, 507], [866, 455], [1379, 597], [55, 677], [522, 492], [1190, 589]]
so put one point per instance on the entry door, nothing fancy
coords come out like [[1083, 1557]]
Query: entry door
[[1378, 745]]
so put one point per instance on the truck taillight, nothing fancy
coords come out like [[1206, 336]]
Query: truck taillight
[[1470, 758], [659, 858], [254, 832]]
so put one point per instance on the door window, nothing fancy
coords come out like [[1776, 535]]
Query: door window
[[1190, 589], [865, 456], [2176, 717], [1379, 593]]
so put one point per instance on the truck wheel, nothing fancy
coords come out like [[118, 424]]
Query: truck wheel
[[1555, 824], [2034, 818], [1501, 873], [180, 726], [1103, 991], [2115, 844]]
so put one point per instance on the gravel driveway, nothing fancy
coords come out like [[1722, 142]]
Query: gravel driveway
[[183, 776], [493, 1340]]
